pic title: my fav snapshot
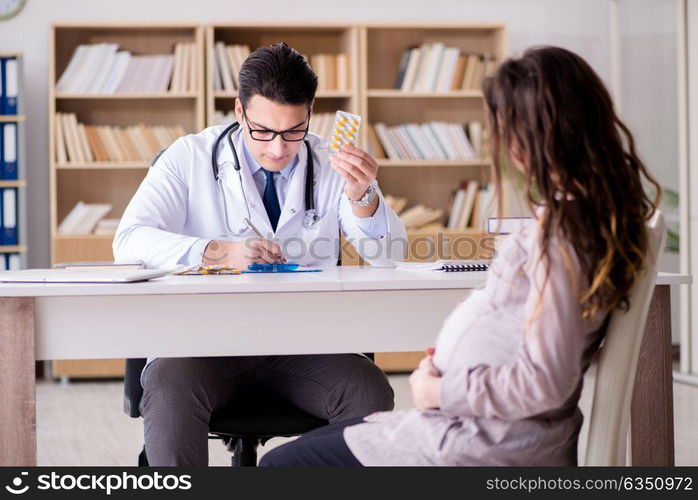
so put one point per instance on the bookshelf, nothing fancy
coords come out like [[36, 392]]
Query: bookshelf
[[107, 181], [17, 181], [112, 182], [309, 39]]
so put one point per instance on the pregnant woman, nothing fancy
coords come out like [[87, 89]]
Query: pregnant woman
[[503, 384]]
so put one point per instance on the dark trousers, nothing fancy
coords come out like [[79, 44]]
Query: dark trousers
[[322, 447], [179, 395]]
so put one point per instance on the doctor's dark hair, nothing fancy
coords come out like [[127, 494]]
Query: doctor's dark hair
[[279, 73]]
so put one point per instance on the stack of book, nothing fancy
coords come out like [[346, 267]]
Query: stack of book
[[80, 143], [332, 71], [83, 218], [416, 217], [227, 61], [102, 68], [428, 141], [471, 205], [434, 67]]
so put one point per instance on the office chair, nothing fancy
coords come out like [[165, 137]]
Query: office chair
[[251, 421], [615, 375]]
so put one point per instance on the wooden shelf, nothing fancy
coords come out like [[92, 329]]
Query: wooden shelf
[[434, 163], [469, 231], [325, 94], [131, 95], [221, 94], [13, 249], [11, 118], [85, 237], [104, 165], [10, 184], [401, 94]]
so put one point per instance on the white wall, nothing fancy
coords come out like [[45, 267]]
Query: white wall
[[579, 25], [648, 103]]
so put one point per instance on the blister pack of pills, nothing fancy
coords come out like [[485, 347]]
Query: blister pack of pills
[[344, 131], [216, 269]]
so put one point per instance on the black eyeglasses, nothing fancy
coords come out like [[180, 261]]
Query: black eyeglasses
[[266, 135]]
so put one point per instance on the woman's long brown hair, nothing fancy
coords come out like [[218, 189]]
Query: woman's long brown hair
[[552, 113]]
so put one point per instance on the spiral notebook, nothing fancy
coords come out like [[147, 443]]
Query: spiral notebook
[[446, 265]]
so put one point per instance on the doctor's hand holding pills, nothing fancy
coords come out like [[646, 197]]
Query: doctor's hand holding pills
[[240, 254], [359, 170]]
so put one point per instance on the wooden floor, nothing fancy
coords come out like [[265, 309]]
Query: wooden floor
[[82, 423]]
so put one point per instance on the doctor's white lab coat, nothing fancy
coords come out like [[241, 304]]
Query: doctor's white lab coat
[[178, 209]]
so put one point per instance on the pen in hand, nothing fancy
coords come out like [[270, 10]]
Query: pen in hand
[[259, 234]]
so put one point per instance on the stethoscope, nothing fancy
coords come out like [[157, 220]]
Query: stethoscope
[[310, 218]]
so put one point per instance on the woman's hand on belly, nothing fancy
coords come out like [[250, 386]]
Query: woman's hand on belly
[[425, 383]]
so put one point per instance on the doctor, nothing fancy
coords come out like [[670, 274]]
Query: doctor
[[201, 202]]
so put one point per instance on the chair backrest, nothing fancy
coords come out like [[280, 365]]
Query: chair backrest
[[615, 375]]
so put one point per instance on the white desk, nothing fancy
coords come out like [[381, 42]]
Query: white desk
[[265, 314]]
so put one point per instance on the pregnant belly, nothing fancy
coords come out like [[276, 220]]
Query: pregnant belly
[[476, 334]]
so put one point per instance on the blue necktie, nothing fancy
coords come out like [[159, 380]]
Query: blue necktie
[[271, 201]]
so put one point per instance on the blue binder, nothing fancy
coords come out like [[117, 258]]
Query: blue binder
[[2, 85], [2, 148], [8, 150], [2, 217], [9, 216], [10, 77]]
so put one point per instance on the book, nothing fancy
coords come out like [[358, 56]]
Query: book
[[65, 81], [10, 75], [83, 218], [411, 71], [383, 135], [8, 148], [374, 144], [186, 66], [61, 153], [458, 72], [446, 265], [447, 69], [432, 71], [13, 262], [9, 234], [456, 209], [343, 72], [224, 66], [402, 68], [468, 204], [231, 54]]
